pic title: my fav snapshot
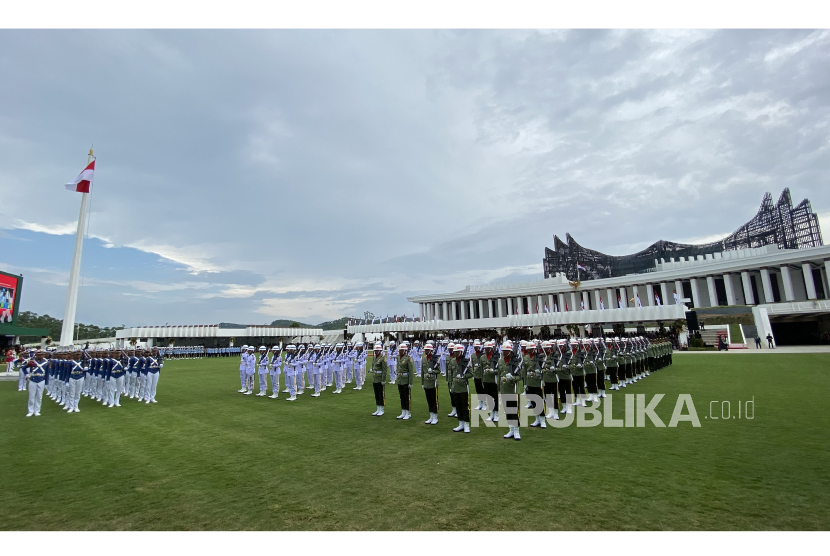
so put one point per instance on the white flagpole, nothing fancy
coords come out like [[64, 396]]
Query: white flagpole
[[67, 331]]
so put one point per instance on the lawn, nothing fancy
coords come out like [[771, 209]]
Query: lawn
[[206, 457]]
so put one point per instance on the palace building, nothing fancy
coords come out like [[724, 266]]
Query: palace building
[[774, 266]]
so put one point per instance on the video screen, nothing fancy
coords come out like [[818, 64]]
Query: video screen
[[8, 291]]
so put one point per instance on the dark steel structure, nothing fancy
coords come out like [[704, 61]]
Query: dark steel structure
[[778, 224]]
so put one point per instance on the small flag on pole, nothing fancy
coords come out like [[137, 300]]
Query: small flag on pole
[[580, 267], [82, 183]]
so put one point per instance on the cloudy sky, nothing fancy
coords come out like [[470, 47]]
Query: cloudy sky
[[245, 176]]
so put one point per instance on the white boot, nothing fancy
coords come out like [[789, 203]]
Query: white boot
[[377, 410], [509, 433], [516, 434], [568, 408], [407, 415], [381, 411], [466, 426], [401, 416], [490, 417], [460, 427], [535, 423], [428, 421], [495, 416], [452, 413]]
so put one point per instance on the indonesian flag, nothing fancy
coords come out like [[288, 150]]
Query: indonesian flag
[[582, 303], [566, 306], [82, 183], [619, 301], [601, 305], [580, 267], [546, 308], [657, 299], [639, 304]]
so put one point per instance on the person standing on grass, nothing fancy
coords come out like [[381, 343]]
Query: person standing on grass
[[429, 382], [262, 366], [37, 378], [380, 373], [276, 369], [20, 365], [242, 367], [450, 376], [549, 380], [479, 361], [461, 370], [489, 380], [405, 380], [76, 383], [508, 369], [291, 369], [532, 373]]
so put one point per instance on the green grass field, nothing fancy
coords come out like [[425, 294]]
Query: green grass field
[[208, 458]]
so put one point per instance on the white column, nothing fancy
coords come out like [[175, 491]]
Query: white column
[[678, 287], [650, 294], [586, 300], [561, 297], [635, 290], [597, 297], [695, 293], [574, 304], [664, 294], [767, 285], [490, 312], [730, 293], [748, 297], [510, 310], [789, 293], [481, 308], [713, 291], [550, 302], [530, 308], [445, 314], [517, 306], [623, 297], [809, 283], [610, 299], [463, 309]]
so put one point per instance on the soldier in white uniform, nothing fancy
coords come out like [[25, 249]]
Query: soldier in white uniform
[[263, 365], [243, 366], [276, 369]]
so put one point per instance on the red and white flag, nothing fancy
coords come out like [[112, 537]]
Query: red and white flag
[[580, 267], [82, 183]]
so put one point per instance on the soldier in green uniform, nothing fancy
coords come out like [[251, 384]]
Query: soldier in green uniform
[[405, 380], [429, 382], [449, 377], [479, 360], [563, 375], [613, 363], [578, 371], [380, 372], [533, 382], [489, 380], [461, 374], [509, 369], [590, 368], [549, 380]]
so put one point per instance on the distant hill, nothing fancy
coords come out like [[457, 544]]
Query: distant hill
[[285, 323], [338, 324]]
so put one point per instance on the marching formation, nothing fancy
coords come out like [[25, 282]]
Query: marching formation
[[554, 375], [305, 366], [101, 375]]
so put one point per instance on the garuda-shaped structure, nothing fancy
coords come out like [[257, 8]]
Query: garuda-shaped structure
[[778, 224]]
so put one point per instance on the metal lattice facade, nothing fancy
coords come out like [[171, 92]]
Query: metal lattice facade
[[778, 224]]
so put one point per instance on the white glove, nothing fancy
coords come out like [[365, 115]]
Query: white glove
[[508, 376]]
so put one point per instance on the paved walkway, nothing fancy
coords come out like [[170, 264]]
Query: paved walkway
[[782, 349]]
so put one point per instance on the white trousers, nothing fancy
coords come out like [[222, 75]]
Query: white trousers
[[242, 376], [76, 386], [35, 396], [263, 381], [275, 382], [290, 383], [142, 386], [21, 380], [152, 383], [115, 387]]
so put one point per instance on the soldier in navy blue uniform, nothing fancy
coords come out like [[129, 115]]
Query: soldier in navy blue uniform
[[153, 365], [37, 377], [77, 374]]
